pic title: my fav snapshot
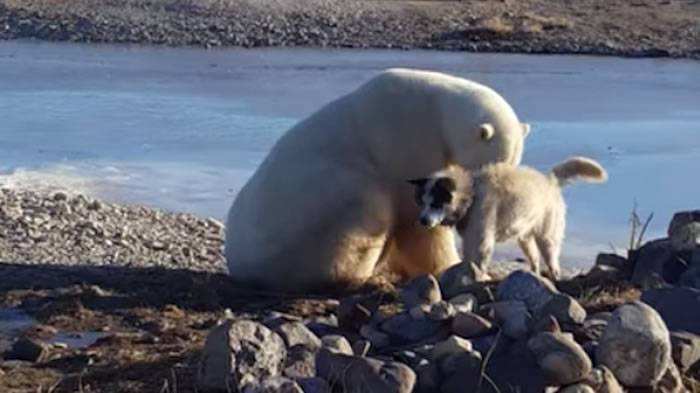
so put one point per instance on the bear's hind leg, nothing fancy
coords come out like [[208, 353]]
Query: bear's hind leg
[[419, 250]]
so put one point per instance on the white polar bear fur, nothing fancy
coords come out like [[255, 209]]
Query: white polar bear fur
[[331, 200]]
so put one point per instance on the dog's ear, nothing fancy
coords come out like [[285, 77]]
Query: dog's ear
[[446, 183], [418, 182]]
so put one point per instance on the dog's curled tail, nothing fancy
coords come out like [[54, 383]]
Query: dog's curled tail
[[579, 169]]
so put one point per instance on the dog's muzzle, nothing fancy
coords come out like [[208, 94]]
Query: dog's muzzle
[[431, 218]]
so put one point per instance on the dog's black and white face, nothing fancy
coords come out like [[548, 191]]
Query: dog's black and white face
[[436, 197]]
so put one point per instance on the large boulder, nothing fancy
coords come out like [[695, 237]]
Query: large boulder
[[679, 307], [636, 345], [240, 353], [684, 230], [657, 264]]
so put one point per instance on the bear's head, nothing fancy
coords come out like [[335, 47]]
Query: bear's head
[[481, 128]]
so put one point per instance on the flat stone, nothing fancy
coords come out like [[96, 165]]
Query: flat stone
[[685, 349], [441, 311], [465, 302], [562, 359], [635, 346], [296, 333], [404, 327], [468, 325], [337, 343], [451, 345]]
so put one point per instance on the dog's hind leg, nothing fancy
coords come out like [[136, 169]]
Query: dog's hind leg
[[550, 250], [529, 247]]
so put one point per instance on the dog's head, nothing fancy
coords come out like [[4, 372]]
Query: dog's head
[[438, 200]]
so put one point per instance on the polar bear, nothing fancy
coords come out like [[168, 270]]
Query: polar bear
[[331, 199]]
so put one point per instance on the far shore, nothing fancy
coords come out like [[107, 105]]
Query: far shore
[[641, 28]]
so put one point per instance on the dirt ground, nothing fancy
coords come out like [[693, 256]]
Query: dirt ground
[[157, 320]]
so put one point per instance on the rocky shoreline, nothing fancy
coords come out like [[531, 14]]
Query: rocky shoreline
[[103, 297], [643, 29]]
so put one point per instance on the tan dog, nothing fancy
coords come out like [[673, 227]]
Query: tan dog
[[503, 202]]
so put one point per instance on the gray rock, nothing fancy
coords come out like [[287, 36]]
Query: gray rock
[[429, 378], [337, 343], [296, 333], [421, 290], [635, 346], [441, 311], [685, 349], [377, 338], [577, 388], [274, 385], [656, 264], [671, 381], [548, 324], [462, 371], [300, 362], [513, 317], [355, 311], [314, 385], [515, 369], [561, 358], [613, 260], [364, 375], [361, 347], [28, 349], [465, 302], [684, 230], [603, 380], [526, 287], [690, 278], [450, 346], [404, 327], [468, 325], [679, 307], [458, 278], [564, 308], [238, 353]]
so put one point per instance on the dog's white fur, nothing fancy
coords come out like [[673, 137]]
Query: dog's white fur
[[520, 203], [331, 201]]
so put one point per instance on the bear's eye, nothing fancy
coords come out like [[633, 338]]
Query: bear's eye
[[441, 197]]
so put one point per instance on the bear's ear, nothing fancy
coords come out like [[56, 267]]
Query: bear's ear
[[526, 129], [418, 182], [486, 131]]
